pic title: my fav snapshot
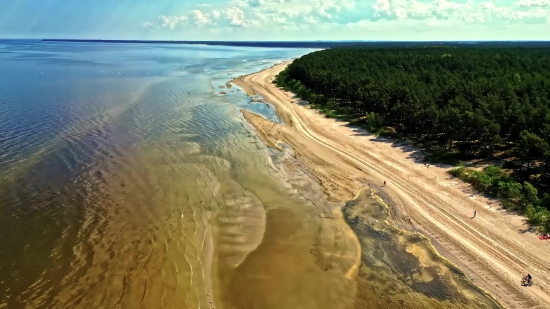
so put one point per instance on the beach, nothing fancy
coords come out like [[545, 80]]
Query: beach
[[494, 250]]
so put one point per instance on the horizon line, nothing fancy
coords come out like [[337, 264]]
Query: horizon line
[[267, 41], [299, 41]]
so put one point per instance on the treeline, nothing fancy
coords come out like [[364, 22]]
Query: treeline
[[475, 102]]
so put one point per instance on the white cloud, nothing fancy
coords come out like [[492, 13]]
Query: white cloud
[[149, 26], [484, 12], [533, 3], [172, 22], [198, 18], [236, 17], [315, 16], [257, 3]]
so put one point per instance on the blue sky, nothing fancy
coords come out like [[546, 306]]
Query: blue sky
[[277, 19]]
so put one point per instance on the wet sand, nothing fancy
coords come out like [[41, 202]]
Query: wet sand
[[493, 250]]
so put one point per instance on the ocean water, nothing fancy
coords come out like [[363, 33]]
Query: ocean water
[[129, 180], [122, 167]]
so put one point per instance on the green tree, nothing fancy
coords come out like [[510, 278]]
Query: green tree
[[531, 148], [471, 101]]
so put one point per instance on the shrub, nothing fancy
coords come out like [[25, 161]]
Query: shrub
[[458, 171], [512, 194], [374, 121]]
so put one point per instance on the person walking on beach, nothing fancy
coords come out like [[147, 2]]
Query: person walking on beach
[[384, 183], [475, 213]]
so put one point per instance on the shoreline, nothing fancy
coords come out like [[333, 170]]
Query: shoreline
[[344, 159]]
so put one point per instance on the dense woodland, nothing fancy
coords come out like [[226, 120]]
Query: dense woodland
[[472, 103]]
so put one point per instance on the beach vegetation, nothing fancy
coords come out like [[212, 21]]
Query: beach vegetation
[[484, 104], [514, 195]]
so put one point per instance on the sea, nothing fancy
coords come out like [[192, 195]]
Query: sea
[[129, 179]]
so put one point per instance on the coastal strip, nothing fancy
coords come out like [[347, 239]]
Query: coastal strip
[[495, 250]]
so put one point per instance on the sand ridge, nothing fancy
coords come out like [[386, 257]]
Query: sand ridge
[[495, 249]]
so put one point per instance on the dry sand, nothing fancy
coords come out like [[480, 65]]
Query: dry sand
[[495, 249]]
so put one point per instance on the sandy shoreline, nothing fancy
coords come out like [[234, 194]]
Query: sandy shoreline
[[495, 249]]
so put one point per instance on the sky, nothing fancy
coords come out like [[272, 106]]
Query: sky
[[381, 20]]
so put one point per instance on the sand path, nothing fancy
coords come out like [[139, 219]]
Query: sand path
[[495, 249]]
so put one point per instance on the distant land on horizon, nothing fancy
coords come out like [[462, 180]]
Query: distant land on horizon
[[319, 44]]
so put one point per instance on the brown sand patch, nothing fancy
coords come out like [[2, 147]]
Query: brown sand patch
[[339, 184]]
